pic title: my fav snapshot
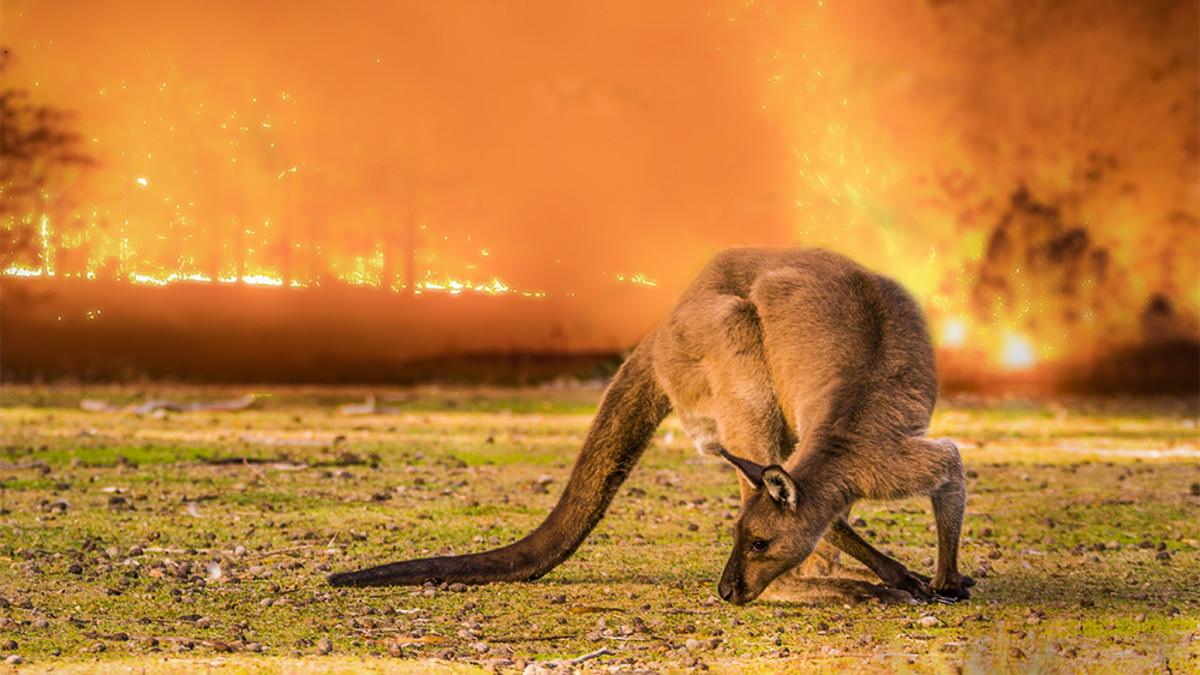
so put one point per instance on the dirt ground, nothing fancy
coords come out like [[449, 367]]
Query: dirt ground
[[159, 539]]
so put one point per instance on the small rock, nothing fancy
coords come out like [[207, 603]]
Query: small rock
[[693, 645], [1162, 555], [13, 660], [481, 647], [324, 645], [458, 587], [929, 621], [255, 647]]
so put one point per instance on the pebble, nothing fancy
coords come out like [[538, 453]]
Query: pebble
[[324, 645], [14, 660], [929, 621]]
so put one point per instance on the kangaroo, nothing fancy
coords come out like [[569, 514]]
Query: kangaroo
[[813, 376]]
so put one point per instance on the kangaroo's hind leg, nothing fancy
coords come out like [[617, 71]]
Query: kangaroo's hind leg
[[922, 466], [949, 505]]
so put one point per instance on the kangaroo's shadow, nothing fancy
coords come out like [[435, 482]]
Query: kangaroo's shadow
[[836, 590], [823, 580]]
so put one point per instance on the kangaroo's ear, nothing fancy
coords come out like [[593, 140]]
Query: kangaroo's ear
[[780, 485], [749, 470]]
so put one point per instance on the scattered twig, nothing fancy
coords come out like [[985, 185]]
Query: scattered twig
[[224, 461], [509, 639], [603, 651], [279, 551], [34, 464]]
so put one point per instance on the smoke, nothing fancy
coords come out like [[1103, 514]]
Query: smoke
[[563, 147], [567, 142]]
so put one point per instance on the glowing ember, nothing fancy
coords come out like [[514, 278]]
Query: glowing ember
[[261, 280], [15, 271]]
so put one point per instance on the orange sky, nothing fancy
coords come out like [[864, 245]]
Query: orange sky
[[557, 145]]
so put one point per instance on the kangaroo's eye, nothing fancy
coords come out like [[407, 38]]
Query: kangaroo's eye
[[759, 545]]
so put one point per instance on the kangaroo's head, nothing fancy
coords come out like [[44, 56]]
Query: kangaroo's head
[[771, 535]]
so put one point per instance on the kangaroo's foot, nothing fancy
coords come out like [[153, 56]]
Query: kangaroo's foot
[[903, 579], [956, 589]]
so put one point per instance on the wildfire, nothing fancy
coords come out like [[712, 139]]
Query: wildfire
[[1017, 352], [445, 284], [1009, 350], [953, 332]]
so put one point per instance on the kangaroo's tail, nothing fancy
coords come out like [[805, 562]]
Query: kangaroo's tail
[[632, 409]]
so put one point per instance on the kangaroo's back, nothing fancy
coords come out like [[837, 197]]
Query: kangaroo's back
[[846, 349]]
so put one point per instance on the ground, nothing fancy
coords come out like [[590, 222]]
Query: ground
[[180, 541]]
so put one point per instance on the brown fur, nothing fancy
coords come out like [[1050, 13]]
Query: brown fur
[[814, 375]]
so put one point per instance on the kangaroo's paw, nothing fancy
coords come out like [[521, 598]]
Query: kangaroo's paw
[[913, 583], [957, 591]]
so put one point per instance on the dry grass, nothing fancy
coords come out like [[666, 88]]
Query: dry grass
[[199, 541]]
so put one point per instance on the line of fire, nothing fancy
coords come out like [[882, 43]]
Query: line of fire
[[517, 193]]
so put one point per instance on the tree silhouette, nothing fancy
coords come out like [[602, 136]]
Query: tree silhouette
[[39, 156]]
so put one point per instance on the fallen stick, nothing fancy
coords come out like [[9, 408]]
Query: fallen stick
[[604, 651]]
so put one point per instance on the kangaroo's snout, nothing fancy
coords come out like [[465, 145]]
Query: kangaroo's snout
[[732, 586]]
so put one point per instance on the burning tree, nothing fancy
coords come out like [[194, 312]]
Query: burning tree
[[39, 156], [1043, 276]]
